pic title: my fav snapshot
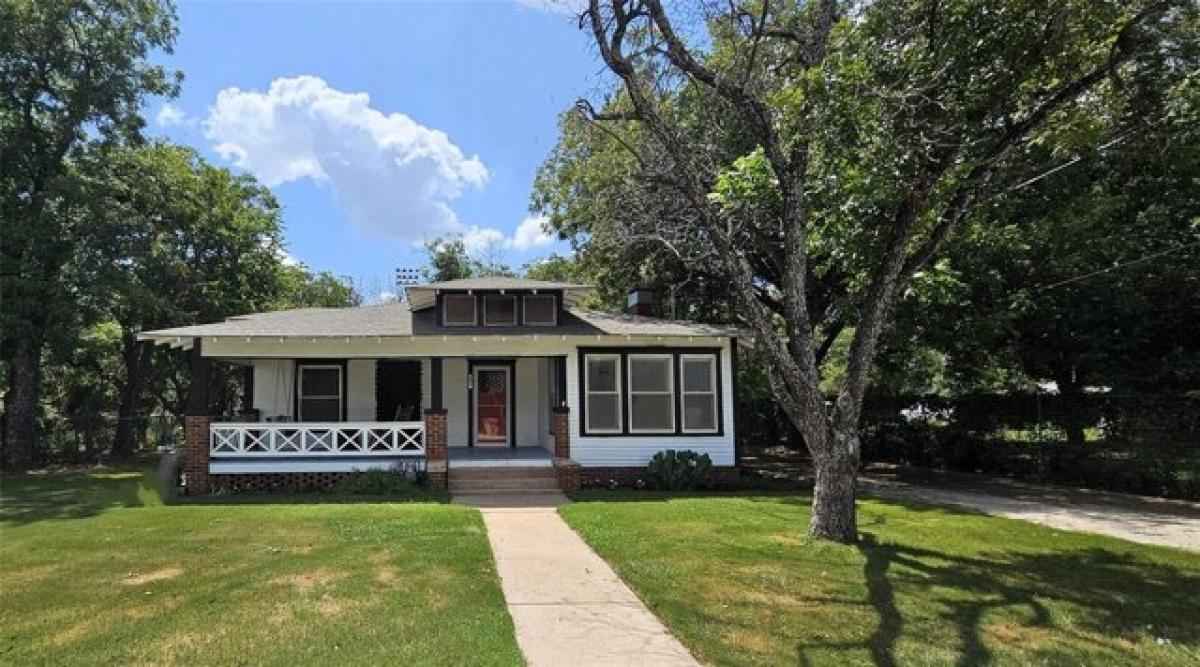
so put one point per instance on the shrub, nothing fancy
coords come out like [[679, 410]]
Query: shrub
[[376, 483], [680, 471]]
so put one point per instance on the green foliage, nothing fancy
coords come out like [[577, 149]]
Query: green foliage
[[377, 482], [684, 470], [447, 259]]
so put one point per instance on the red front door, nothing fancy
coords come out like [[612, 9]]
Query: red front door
[[493, 416]]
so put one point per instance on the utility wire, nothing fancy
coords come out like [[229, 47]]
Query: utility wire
[[1072, 161], [1132, 262]]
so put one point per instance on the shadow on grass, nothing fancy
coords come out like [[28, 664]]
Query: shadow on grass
[[1116, 595], [34, 497], [1031, 597], [312, 498]]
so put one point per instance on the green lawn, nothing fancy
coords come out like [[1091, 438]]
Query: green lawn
[[95, 569], [737, 581]]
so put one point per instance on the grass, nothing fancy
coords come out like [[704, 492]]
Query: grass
[[98, 570], [735, 578]]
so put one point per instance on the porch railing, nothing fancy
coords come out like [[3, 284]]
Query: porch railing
[[366, 439]]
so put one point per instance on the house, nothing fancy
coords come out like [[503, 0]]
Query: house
[[481, 373]]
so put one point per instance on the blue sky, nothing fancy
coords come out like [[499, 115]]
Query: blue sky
[[379, 124]]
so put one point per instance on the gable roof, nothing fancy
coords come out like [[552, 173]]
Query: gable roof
[[395, 319], [423, 296]]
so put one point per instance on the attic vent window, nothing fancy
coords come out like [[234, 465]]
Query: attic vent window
[[458, 310], [539, 310], [499, 310]]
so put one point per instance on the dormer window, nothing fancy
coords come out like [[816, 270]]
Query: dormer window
[[458, 310], [539, 310], [499, 310]]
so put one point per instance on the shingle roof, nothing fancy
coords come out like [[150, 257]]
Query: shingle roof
[[397, 320], [422, 296]]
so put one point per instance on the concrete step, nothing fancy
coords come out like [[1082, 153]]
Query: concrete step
[[509, 483], [507, 493], [501, 472]]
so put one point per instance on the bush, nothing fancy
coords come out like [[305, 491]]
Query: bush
[[680, 471], [377, 483]]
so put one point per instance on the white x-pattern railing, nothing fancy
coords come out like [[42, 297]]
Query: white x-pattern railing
[[230, 439]]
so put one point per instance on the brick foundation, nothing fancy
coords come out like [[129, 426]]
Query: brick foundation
[[634, 477], [435, 449], [195, 454]]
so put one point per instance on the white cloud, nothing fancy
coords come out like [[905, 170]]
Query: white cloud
[[531, 233], [386, 296], [483, 239], [390, 173], [170, 115], [568, 7]]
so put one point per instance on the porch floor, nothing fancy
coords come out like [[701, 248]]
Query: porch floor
[[496, 457]]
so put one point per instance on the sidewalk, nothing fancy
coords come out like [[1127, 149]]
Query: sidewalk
[[568, 605]]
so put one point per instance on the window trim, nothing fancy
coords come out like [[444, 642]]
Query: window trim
[[582, 355], [629, 393], [301, 397], [715, 392], [616, 391], [553, 310], [474, 311], [515, 304]]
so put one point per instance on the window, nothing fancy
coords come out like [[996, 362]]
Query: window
[[698, 386], [651, 394], [320, 393], [602, 389], [650, 391], [458, 310], [499, 310], [539, 310]]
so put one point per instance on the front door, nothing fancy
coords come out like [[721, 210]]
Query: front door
[[493, 406]]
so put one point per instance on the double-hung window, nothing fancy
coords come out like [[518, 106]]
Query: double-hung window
[[698, 388], [651, 393], [602, 392], [320, 393]]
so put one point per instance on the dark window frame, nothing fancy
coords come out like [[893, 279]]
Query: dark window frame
[[553, 310], [474, 310], [675, 352], [297, 369], [516, 306]]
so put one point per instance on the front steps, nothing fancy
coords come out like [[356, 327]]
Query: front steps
[[507, 480]]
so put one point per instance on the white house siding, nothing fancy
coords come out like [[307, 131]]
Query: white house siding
[[630, 451], [360, 390], [273, 386]]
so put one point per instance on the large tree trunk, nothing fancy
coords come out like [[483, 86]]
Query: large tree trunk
[[21, 403], [835, 468], [135, 357]]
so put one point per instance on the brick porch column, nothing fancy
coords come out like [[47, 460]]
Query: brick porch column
[[435, 448], [566, 470], [195, 454]]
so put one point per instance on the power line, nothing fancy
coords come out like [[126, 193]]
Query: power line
[[1070, 162], [1140, 260]]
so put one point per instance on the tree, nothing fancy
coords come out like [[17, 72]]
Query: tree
[[819, 154], [447, 259], [72, 72]]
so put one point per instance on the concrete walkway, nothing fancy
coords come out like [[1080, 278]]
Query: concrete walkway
[[568, 605], [1146, 520]]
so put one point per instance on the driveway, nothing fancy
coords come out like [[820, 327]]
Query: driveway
[[1146, 520]]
